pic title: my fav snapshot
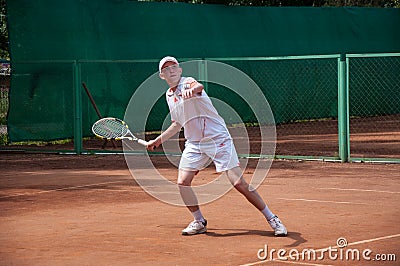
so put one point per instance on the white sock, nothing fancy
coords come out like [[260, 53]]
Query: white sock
[[198, 216], [267, 213]]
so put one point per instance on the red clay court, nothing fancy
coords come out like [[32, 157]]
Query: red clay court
[[88, 210]]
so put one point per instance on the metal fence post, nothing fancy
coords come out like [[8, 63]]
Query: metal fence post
[[343, 110], [77, 108], [203, 73]]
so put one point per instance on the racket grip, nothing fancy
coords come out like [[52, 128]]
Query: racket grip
[[142, 142]]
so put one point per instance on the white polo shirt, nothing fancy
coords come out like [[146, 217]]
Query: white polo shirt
[[197, 115]]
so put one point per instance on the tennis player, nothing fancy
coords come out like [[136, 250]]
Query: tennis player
[[207, 138]]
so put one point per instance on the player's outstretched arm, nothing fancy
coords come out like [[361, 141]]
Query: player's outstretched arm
[[190, 92], [174, 128]]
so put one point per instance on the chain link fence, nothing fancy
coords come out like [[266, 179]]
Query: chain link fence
[[374, 97], [4, 90], [3, 104], [302, 92], [3, 116]]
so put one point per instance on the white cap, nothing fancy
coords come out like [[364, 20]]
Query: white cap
[[165, 60]]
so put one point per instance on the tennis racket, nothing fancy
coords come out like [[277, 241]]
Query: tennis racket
[[114, 128]]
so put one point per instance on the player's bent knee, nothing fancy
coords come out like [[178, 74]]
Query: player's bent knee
[[183, 183], [241, 185], [185, 178]]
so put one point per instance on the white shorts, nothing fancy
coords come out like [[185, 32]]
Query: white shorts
[[197, 156]]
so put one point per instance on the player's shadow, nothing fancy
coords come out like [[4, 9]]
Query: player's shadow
[[296, 236], [236, 232]]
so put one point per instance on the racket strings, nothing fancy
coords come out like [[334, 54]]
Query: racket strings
[[110, 128]]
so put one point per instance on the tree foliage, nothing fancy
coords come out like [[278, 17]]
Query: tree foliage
[[3, 31]]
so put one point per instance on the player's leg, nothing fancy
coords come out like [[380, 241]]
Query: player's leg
[[198, 225], [184, 182], [237, 180], [226, 160]]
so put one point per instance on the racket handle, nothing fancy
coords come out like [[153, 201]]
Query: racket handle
[[142, 142]]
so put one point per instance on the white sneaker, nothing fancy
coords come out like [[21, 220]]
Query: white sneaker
[[277, 225], [195, 227]]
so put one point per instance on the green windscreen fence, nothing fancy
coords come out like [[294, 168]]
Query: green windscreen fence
[[41, 101], [295, 89], [114, 46]]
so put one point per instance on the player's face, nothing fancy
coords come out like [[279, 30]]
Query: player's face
[[171, 72]]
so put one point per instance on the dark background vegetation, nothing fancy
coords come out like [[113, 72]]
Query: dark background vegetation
[[4, 54]]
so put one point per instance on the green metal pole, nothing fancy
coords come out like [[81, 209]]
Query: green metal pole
[[77, 108], [203, 74], [343, 111]]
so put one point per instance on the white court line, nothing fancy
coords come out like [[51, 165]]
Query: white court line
[[361, 190], [292, 262], [89, 185], [325, 201], [323, 249], [60, 189], [116, 190]]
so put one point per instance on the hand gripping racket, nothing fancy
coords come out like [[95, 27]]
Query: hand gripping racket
[[114, 128]]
